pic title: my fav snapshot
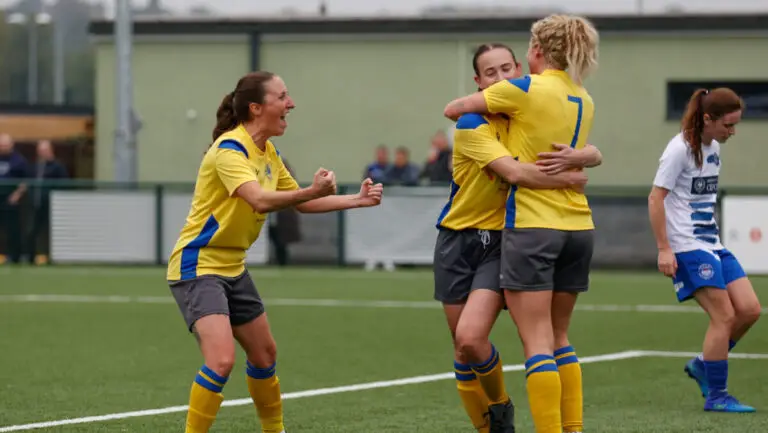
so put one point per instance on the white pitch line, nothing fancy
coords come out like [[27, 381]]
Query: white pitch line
[[299, 394], [299, 302], [665, 354], [629, 354]]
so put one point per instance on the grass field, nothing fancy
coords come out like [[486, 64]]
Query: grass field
[[79, 342]]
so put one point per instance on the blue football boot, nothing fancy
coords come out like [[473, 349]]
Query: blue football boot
[[695, 370], [726, 403]]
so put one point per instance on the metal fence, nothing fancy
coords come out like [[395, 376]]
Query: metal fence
[[99, 222]]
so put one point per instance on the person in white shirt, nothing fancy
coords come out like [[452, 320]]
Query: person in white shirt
[[682, 212]]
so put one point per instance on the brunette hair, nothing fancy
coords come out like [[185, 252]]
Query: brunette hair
[[234, 107], [482, 49], [715, 104]]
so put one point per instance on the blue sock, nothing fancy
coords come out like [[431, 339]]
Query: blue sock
[[717, 377], [700, 359]]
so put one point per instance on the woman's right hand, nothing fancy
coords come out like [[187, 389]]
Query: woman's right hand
[[667, 263]]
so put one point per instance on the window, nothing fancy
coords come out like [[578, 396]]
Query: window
[[754, 93]]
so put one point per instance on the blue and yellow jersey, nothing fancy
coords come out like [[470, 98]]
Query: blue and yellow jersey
[[477, 194], [220, 228], [545, 109]]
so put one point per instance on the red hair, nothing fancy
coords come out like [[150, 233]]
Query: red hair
[[715, 104]]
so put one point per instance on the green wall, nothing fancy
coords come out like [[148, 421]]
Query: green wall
[[355, 92], [352, 96], [630, 96], [170, 78]]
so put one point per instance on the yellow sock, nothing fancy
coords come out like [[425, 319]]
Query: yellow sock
[[204, 400], [472, 395], [491, 376], [543, 385], [264, 387], [572, 400]]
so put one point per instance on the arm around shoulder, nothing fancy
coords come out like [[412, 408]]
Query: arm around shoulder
[[474, 103]]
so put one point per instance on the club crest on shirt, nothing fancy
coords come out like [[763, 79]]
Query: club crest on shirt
[[704, 185], [699, 184], [268, 171], [714, 159]]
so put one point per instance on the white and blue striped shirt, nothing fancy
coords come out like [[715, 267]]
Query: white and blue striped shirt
[[690, 204]]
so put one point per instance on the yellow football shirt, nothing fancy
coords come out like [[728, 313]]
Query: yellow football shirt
[[477, 194], [220, 228], [546, 108]]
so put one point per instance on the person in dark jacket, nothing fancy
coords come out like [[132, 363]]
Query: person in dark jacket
[[284, 229], [438, 168], [377, 170], [13, 172], [46, 169], [403, 172]]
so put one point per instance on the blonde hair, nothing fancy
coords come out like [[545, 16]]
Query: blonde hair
[[569, 43]]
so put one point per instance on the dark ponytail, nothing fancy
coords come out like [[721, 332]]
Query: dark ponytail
[[235, 107], [714, 104], [225, 116], [693, 124]]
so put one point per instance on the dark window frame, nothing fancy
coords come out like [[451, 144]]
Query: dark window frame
[[754, 93]]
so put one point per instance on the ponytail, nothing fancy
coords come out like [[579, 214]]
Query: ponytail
[[226, 119], [235, 107], [693, 124], [581, 49]]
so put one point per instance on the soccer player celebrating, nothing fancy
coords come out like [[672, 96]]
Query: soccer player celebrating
[[241, 179], [468, 247], [548, 237], [682, 212]]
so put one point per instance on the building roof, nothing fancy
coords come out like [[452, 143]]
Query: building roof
[[434, 25]]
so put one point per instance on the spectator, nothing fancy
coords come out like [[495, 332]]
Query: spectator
[[284, 229], [13, 170], [402, 172], [438, 168], [377, 170], [47, 168]]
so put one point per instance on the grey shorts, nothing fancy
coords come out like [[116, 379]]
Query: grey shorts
[[464, 261], [545, 259], [212, 294]]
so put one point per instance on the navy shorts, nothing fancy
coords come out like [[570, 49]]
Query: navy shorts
[[465, 261]]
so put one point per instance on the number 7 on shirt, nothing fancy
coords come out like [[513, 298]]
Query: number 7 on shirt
[[576, 100]]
